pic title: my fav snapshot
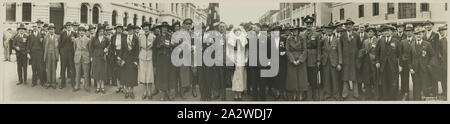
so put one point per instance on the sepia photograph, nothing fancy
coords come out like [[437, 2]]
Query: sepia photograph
[[223, 51]]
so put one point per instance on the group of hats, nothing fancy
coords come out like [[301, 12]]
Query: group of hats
[[49, 26]]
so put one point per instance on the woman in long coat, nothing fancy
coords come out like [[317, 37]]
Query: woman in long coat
[[145, 72], [164, 76], [297, 79], [129, 56], [280, 80], [98, 49]]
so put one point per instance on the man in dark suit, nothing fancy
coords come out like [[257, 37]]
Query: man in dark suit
[[331, 60], [433, 38], [443, 40], [388, 54], [400, 31], [422, 52], [21, 46], [67, 52], [36, 47], [405, 60], [349, 54]]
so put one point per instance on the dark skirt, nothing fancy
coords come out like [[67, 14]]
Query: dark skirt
[[280, 80], [163, 77], [129, 74], [297, 78], [99, 68]]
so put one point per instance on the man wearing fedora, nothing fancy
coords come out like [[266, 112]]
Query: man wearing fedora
[[349, 55], [388, 54], [36, 47], [66, 49], [20, 44], [405, 60], [422, 53], [331, 61]]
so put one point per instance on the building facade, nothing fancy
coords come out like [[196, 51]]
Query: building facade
[[382, 13], [94, 13], [293, 14]]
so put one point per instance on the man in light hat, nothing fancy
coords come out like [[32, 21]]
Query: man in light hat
[[39, 24], [405, 60], [443, 51], [67, 52], [389, 56], [36, 47], [422, 52], [20, 44]]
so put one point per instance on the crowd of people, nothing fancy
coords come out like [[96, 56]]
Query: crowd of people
[[333, 62]]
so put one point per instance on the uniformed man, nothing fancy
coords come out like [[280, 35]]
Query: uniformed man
[[21, 46], [422, 53], [313, 56], [388, 54], [443, 51], [405, 60], [36, 47], [331, 61]]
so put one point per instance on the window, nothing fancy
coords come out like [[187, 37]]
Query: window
[[114, 18], [150, 20], [424, 7], [361, 10], [156, 21], [406, 10], [376, 9], [445, 6], [11, 12], [84, 14], [26, 12], [390, 7], [341, 14], [143, 19], [156, 5], [171, 7], [176, 8], [125, 19], [150, 5], [135, 19], [95, 14]]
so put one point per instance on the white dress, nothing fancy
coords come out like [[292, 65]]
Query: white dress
[[239, 81], [145, 71]]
